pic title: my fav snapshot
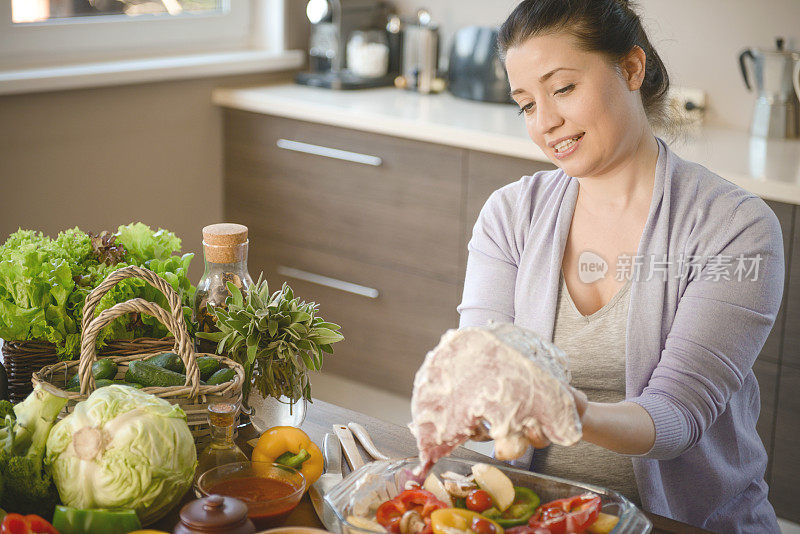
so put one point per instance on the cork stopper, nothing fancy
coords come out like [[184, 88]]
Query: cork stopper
[[225, 242]]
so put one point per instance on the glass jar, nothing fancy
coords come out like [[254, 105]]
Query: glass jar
[[368, 53], [225, 255]]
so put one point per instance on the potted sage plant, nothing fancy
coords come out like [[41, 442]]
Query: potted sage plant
[[278, 339]]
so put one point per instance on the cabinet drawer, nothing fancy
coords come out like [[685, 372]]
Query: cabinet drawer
[[399, 207], [389, 319]]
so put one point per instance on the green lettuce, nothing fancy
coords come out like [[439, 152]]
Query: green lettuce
[[44, 283], [36, 281]]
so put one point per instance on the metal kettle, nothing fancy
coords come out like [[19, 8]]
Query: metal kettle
[[777, 111]]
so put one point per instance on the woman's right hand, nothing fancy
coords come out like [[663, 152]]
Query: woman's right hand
[[533, 435]]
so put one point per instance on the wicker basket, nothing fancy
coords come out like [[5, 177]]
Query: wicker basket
[[23, 358], [192, 396]]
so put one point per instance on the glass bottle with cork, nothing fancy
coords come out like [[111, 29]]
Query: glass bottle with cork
[[222, 449], [225, 254]]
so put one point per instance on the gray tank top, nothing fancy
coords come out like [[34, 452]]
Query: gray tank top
[[595, 347]]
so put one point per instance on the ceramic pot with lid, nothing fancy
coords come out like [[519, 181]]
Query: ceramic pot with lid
[[215, 514]]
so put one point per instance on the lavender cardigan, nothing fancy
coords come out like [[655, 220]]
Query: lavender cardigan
[[691, 340]]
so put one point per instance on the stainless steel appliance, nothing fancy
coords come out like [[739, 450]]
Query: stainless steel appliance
[[777, 110], [420, 57], [475, 70], [334, 24]]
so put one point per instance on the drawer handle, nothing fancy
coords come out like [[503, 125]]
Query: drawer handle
[[327, 152], [318, 279]]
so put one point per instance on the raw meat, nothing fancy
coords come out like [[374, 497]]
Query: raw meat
[[502, 374]]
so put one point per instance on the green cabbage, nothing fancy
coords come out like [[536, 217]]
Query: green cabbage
[[122, 448]]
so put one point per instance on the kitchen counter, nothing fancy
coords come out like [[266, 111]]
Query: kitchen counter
[[770, 169]]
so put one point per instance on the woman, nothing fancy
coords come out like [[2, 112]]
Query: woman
[[664, 339]]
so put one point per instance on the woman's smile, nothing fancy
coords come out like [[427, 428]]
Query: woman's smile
[[565, 147]]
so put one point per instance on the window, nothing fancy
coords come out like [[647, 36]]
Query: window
[[44, 33], [26, 11]]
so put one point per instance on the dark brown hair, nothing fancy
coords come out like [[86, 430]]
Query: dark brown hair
[[610, 27]]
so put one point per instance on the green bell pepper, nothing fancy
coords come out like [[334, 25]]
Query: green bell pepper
[[525, 504], [96, 521]]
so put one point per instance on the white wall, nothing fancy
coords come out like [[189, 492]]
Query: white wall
[[699, 40]]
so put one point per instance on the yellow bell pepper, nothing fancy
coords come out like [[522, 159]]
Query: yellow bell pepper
[[446, 519], [292, 447], [604, 524]]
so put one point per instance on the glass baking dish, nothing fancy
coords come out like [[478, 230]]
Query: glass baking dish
[[380, 481]]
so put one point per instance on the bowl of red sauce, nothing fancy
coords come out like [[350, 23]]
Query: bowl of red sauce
[[270, 491]]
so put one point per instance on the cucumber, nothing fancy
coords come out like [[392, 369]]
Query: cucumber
[[101, 369], [208, 366], [73, 383], [104, 368], [149, 375], [225, 374], [168, 360], [101, 383], [134, 385]]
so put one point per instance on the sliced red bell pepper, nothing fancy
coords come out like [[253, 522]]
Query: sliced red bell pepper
[[15, 524], [422, 501], [29, 524], [40, 525], [389, 514], [567, 516]]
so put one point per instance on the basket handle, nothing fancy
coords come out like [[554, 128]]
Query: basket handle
[[91, 325], [132, 271]]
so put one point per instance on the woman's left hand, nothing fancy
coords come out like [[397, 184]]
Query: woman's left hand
[[538, 441]]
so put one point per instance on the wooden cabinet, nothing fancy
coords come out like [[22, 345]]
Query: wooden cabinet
[[785, 457]]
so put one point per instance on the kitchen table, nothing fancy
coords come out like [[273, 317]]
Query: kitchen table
[[393, 440]]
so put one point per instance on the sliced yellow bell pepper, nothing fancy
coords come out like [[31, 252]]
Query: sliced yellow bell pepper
[[292, 447], [604, 524], [449, 520]]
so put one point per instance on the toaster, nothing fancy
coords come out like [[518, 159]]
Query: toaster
[[475, 70]]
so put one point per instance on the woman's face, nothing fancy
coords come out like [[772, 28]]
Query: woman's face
[[584, 114]]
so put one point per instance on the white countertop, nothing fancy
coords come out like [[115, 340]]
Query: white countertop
[[770, 169]]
